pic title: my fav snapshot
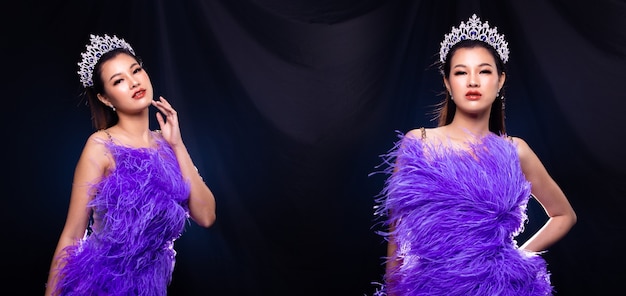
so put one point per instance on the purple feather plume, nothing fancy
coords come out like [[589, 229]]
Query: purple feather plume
[[140, 209], [456, 214]]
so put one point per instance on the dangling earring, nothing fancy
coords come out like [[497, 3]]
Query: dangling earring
[[113, 108], [451, 98]]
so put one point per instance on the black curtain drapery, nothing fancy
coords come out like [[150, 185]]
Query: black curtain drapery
[[286, 107]]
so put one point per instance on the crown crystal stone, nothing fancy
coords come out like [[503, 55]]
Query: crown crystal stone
[[98, 46], [474, 29]]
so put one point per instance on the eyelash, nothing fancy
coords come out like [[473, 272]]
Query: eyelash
[[458, 73], [135, 71]]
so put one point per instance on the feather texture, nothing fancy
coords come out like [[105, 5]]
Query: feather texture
[[140, 209], [456, 213]]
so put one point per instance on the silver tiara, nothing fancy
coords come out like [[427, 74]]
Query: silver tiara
[[474, 29], [99, 45]]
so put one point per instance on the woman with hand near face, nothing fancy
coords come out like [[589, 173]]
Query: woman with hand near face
[[134, 189]]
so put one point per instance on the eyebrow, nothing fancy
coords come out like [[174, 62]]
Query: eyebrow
[[465, 66]]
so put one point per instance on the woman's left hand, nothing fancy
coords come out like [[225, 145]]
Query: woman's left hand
[[169, 125]]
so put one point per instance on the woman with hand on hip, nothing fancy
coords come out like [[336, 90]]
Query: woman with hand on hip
[[457, 194]]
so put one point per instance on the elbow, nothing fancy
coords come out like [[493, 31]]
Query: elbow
[[573, 218], [202, 209], [569, 219], [206, 221], [571, 214]]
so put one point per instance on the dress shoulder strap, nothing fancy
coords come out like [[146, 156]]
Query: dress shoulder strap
[[423, 132], [108, 134]]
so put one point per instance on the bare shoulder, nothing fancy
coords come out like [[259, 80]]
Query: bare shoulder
[[95, 160], [523, 149], [97, 138], [94, 146], [414, 133]]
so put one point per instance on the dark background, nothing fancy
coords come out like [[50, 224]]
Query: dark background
[[286, 106]]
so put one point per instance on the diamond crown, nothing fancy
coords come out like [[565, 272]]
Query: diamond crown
[[98, 46], [474, 29]]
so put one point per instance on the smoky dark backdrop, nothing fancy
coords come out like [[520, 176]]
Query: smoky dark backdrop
[[286, 106]]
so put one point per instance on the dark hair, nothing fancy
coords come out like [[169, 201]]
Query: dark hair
[[102, 116], [447, 108]]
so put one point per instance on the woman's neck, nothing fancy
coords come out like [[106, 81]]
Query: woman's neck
[[462, 126], [133, 133]]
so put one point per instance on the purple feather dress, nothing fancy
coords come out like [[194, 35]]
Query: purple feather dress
[[456, 213], [140, 208]]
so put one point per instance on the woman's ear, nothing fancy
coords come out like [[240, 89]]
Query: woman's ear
[[502, 79], [104, 100]]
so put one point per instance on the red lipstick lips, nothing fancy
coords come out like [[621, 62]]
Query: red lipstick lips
[[139, 94], [473, 95]]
